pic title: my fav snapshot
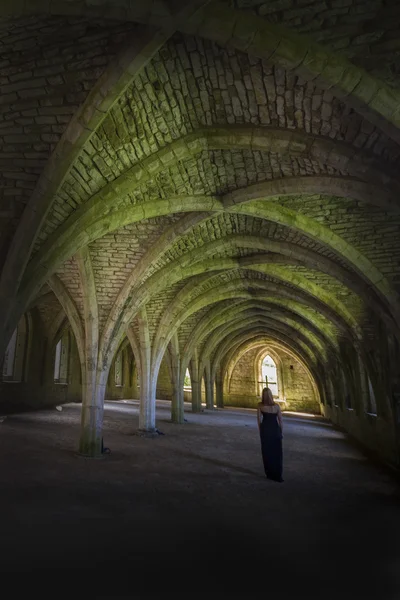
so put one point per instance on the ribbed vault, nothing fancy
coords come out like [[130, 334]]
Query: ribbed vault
[[217, 180]]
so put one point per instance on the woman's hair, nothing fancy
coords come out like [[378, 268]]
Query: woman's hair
[[267, 397]]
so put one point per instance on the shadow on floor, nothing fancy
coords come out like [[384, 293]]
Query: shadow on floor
[[217, 463]]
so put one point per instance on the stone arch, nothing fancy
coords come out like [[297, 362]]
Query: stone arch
[[245, 321], [172, 313], [126, 387], [189, 348], [248, 339], [79, 130], [223, 347], [286, 383], [76, 233], [253, 370], [163, 274], [338, 242], [213, 265], [265, 341], [257, 36], [270, 279]]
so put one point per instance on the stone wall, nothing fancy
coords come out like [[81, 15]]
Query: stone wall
[[298, 389], [127, 386], [49, 65], [366, 31], [374, 433], [164, 385], [244, 387], [37, 388]]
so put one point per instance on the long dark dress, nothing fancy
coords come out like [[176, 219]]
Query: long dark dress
[[271, 446]]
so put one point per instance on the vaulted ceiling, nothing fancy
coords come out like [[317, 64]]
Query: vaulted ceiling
[[231, 167]]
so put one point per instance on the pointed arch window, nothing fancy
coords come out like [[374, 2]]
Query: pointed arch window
[[16, 353], [372, 410], [118, 370], [61, 359], [270, 375]]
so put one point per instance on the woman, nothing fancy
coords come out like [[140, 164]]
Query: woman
[[270, 429]]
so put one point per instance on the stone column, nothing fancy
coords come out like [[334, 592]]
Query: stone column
[[176, 371], [147, 413], [196, 396], [196, 383], [209, 390], [281, 385], [177, 405], [219, 390], [93, 381], [90, 443]]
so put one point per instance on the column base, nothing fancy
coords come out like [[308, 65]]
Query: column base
[[89, 447], [147, 433], [93, 457]]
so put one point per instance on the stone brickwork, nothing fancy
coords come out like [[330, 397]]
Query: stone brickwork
[[225, 225], [191, 84], [164, 387], [115, 255], [157, 306], [128, 386], [215, 172], [48, 66], [37, 388], [374, 232], [49, 311], [70, 277], [193, 195], [298, 391], [188, 326], [366, 31], [245, 385]]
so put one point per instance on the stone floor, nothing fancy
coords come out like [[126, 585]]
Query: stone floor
[[190, 513]]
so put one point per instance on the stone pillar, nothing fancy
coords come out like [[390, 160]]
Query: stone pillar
[[280, 377], [147, 411], [177, 405], [148, 380], [196, 396], [209, 392], [93, 381], [219, 390], [195, 383], [90, 443], [173, 358]]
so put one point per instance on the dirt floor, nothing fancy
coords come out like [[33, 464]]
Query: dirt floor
[[190, 513]]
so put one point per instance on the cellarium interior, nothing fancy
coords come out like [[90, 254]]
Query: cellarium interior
[[198, 199]]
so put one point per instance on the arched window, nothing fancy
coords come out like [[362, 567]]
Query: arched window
[[372, 400], [15, 355], [187, 383], [9, 357], [61, 359], [118, 370], [270, 375]]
